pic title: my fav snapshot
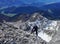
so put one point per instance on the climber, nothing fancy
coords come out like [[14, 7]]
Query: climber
[[35, 29]]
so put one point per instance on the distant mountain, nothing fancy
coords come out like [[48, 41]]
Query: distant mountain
[[3, 17], [22, 17], [23, 9], [22, 13], [51, 11]]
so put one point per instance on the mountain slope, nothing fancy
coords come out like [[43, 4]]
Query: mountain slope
[[3, 17]]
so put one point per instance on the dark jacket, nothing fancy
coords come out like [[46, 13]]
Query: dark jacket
[[35, 29]]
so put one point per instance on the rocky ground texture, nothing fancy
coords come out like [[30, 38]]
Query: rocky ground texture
[[9, 35], [17, 33]]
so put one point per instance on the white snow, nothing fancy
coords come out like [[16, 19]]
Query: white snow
[[44, 36]]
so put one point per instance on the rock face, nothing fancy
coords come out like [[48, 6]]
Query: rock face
[[19, 32]]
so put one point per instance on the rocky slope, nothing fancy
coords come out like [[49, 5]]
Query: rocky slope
[[19, 32]]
